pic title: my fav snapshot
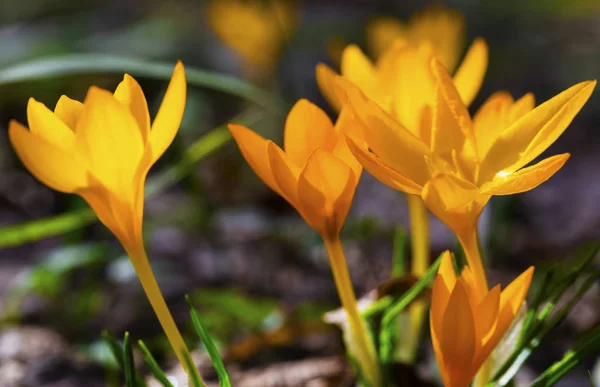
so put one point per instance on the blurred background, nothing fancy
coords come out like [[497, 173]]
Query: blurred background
[[258, 275]]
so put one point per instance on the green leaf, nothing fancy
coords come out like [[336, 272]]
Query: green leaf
[[73, 64], [115, 348], [194, 377], [157, 372], [128, 362], [587, 346], [389, 317], [212, 350]]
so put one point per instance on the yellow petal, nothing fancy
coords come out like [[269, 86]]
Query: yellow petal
[[439, 299], [470, 74], [109, 138], [381, 32], [69, 111], [130, 94], [381, 171], [453, 100], [446, 137], [285, 173], [346, 125], [326, 187], [446, 271], [254, 150], [486, 315], [533, 133], [48, 163], [44, 123], [325, 76], [491, 119], [457, 341], [358, 68], [391, 142], [527, 178], [170, 113], [454, 201], [306, 128], [522, 106], [413, 88]]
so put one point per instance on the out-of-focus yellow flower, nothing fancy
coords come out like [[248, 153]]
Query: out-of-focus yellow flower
[[401, 81], [442, 27], [255, 29], [460, 163], [316, 173], [466, 323], [102, 150]]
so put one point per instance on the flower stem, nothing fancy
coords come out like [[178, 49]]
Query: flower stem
[[470, 244], [361, 344], [144, 271], [419, 234]]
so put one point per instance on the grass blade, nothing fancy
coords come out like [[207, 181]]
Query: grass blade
[[194, 377], [212, 350], [128, 362], [157, 372], [73, 64], [115, 348]]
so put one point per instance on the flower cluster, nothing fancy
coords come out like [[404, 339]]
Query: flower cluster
[[403, 117]]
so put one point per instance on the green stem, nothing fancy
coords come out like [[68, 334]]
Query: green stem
[[361, 344]]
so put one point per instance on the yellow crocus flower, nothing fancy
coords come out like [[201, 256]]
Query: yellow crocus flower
[[442, 27], [463, 162], [254, 29], [317, 174], [466, 323], [102, 150]]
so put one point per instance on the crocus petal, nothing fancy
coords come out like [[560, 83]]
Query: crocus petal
[[527, 178], [390, 141], [346, 126], [306, 128], [130, 94], [69, 111], [453, 100], [522, 106], [446, 136], [170, 113], [533, 133], [381, 171], [491, 119], [285, 173], [457, 340], [486, 315], [44, 123], [326, 187], [446, 271], [47, 162], [109, 138], [359, 69], [254, 150], [325, 76], [469, 76]]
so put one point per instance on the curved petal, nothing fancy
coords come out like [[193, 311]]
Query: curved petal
[[44, 123], [534, 132], [457, 340], [491, 119], [527, 178], [455, 105], [306, 128], [285, 173], [381, 32], [381, 171], [326, 187], [109, 138], [486, 315], [325, 76], [359, 69], [391, 142], [69, 111], [130, 94], [346, 126], [48, 163], [469, 76], [254, 150], [170, 114]]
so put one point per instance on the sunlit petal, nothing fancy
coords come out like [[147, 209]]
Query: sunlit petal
[[469, 76], [69, 111], [130, 94], [44, 123]]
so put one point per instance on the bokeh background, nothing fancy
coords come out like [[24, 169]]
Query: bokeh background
[[257, 273]]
